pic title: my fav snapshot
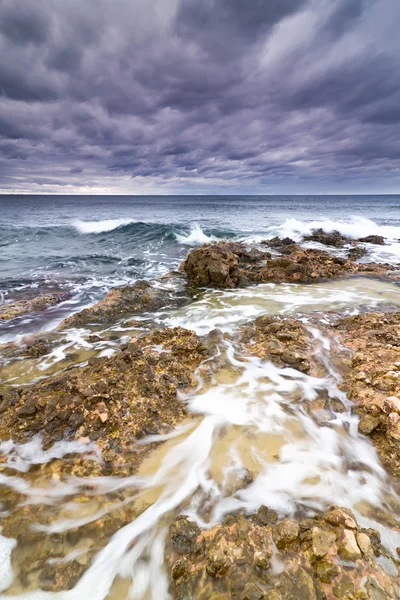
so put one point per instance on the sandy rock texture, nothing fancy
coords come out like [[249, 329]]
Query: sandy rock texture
[[327, 557]]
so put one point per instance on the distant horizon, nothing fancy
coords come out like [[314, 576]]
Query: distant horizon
[[187, 195]]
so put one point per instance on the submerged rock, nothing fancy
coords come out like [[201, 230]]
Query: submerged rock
[[16, 309], [239, 559], [232, 264]]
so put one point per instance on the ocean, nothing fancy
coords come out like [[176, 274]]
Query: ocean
[[86, 245]]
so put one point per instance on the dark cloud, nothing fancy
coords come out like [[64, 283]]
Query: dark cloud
[[199, 95]]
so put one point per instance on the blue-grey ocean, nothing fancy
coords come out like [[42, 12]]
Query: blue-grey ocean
[[89, 244]]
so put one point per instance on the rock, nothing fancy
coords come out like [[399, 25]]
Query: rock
[[373, 381], [340, 516], [321, 542], [368, 423], [266, 516], [285, 342], [373, 239], [365, 545], [393, 426], [232, 264], [16, 309], [326, 571], [333, 238], [356, 252], [142, 296], [252, 592], [232, 561], [285, 533], [225, 265], [348, 547], [184, 533], [114, 401]]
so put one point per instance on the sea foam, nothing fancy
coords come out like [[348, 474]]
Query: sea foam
[[100, 226], [196, 237]]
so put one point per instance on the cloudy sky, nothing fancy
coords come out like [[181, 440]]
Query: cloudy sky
[[200, 96]]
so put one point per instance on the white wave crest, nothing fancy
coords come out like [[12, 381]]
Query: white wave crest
[[100, 226], [196, 237], [354, 228]]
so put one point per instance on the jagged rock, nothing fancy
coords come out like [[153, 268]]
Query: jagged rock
[[184, 533], [321, 542], [333, 238], [340, 516], [12, 310], [142, 296], [372, 382], [232, 264], [356, 253], [112, 401], [286, 342], [373, 239], [234, 561], [285, 533], [348, 547]]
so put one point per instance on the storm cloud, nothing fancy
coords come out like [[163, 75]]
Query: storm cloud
[[199, 96]]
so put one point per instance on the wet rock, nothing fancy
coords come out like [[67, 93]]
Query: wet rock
[[368, 424], [348, 547], [266, 516], [225, 265], [321, 542], [373, 381], [285, 533], [252, 592], [340, 516], [184, 533], [142, 296], [230, 564], [286, 342], [16, 309], [113, 401], [285, 245], [356, 252], [333, 238], [373, 239], [232, 264]]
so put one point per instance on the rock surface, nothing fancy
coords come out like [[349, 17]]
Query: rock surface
[[332, 238], [290, 560], [113, 401], [372, 379], [16, 309], [142, 296], [231, 264], [286, 342]]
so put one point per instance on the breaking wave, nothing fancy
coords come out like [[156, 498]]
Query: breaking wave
[[100, 226]]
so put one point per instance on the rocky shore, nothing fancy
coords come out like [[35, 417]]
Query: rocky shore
[[263, 558], [113, 402]]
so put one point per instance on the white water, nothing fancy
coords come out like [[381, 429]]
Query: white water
[[196, 237], [100, 226]]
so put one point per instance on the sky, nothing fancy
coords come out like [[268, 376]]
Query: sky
[[199, 96]]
